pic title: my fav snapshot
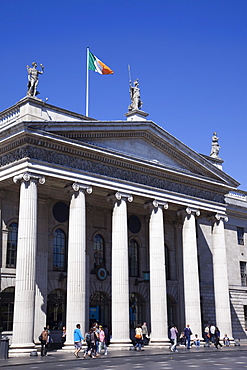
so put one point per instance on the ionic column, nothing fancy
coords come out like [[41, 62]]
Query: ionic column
[[158, 300], [24, 306], [41, 269], [190, 269], [76, 276], [221, 287], [120, 269]]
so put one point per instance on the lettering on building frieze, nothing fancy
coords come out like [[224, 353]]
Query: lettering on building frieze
[[109, 170]]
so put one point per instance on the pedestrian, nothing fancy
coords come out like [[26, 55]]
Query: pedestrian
[[88, 341], [44, 342], [102, 340], [187, 333], [107, 335], [77, 340], [226, 340], [93, 340], [197, 342], [63, 335], [217, 338], [138, 337], [173, 337], [212, 333], [207, 334], [145, 333]]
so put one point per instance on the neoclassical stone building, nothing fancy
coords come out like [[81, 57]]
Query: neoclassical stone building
[[115, 221]]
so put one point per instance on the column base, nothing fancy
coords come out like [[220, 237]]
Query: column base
[[121, 345], [21, 350], [157, 343]]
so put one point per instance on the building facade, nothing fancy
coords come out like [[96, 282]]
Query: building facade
[[117, 222]]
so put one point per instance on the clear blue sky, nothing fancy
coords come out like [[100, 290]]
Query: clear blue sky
[[190, 57]]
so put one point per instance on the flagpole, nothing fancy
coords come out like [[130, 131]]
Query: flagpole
[[87, 82]]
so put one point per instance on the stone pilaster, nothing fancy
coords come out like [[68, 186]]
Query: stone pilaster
[[221, 288], [190, 270], [24, 307], [120, 269], [76, 277], [158, 299]]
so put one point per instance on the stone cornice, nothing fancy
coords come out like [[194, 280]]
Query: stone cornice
[[105, 166]]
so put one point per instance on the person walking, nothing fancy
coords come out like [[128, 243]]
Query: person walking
[[217, 338], [63, 335], [102, 340], [44, 342], [77, 340], [187, 333], [173, 337], [212, 333], [145, 333], [207, 334], [138, 337]]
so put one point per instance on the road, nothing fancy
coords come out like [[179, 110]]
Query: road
[[221, 359]]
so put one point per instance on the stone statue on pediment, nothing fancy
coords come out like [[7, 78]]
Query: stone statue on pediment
[[215, 146], [135, 97], [33, 78]]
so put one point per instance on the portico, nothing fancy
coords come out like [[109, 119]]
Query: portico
[[127, 187]]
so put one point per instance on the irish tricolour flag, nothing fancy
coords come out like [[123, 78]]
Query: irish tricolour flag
[[94, 64]]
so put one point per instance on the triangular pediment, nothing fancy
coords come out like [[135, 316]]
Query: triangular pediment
[[144, 141]]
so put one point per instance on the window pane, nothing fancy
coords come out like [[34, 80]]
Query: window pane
[[243, 273], [133, 258], [59, 251], [240, 233], [12, 245], [99, 250]]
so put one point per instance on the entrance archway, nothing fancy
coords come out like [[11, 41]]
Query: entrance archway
[[100, 308], [56, 309]]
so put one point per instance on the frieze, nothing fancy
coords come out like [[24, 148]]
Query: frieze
[[129, 173]]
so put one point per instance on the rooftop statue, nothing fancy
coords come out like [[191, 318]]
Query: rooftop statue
[[33, 78], [215, 146], [135, 98]]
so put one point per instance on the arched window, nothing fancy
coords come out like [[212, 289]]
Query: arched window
[[59, 250], [12, 245], [56, 309], [99, 251], [133, 258], [7, 297]]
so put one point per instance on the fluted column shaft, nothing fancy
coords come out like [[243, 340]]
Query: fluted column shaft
[[191, 273], [221, 288], [120, 270], [76, 277], [24, 306], [158, 299]]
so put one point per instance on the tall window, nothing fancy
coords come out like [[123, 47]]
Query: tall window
[[133, 258], [167, 263], [243, 273], [240, 233], [99, 251], [59, 251], [12, 245], [7, 297]]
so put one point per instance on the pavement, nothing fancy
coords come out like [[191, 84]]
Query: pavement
[[62, 356]]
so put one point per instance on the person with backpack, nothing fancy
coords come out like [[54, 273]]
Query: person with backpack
[[88, 341]]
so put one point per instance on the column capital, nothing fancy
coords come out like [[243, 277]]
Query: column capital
[[118, 196], [76, 186], [189, 211], [155, 204], [27, 176], [217, 217]]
